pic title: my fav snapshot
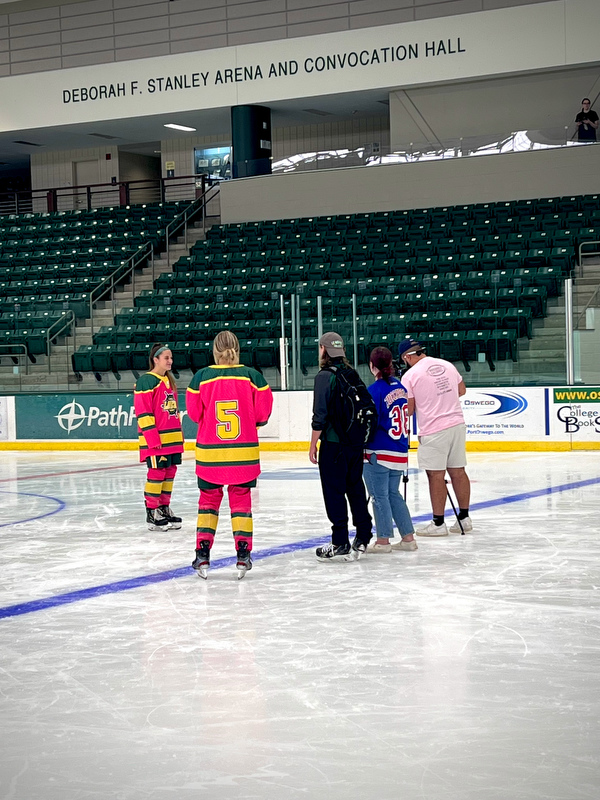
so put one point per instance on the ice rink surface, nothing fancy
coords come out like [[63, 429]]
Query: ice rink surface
[[468, 670]]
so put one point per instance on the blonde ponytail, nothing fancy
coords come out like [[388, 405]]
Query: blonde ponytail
[[226, 349]]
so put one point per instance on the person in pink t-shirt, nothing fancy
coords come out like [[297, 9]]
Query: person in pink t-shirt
[[434, 387]]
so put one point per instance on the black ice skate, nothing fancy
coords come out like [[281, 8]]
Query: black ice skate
[[202, 561], [156, 521], [340, 552], [174, 522], [244, 560], [358, 547]]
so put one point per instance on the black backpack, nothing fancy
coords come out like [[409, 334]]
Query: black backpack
[[352, 411]]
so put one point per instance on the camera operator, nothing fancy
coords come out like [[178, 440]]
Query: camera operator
[[434, 387]]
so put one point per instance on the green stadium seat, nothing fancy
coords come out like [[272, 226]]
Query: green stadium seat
[[140, 356], [519, 319], [450, 346], [431, 341], [101, 358], [121, 358], [491, 318], [502, 345], [81, 360], [182, 355], [201, 356], [466, 319], [475, 345]]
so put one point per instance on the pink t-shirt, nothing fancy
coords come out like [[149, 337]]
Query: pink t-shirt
[[433, 383]]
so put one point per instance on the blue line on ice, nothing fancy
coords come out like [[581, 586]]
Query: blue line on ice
[[159, 577], [60, 506]]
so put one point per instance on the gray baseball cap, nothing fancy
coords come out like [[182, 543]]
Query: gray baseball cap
[[333, 344]]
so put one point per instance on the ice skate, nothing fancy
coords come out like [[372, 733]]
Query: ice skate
[[156, 521], [244, 560], [174, 522], [359, 548], [331, 552], [202, 561]]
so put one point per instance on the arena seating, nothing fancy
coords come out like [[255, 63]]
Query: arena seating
[[49, 264], [469, 280]]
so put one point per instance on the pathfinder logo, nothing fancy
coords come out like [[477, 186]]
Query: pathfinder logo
[[508, 404], [71, 416], [74, 415]]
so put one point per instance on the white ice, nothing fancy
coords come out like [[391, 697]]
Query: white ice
[[465, 671]]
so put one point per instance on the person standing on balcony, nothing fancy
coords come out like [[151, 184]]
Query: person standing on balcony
[[587, 122], [434, 387]]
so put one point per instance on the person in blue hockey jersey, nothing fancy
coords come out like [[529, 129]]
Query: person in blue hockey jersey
[[386, 456]]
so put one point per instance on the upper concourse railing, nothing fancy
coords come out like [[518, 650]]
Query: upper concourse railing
[[102, 195], [377, 154]]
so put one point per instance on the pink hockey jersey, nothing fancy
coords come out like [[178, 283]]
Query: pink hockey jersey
[[159, 424], [229, 403]]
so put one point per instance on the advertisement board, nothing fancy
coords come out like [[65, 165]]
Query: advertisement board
[[93, 417], [575, 414], [534, 415], [508, 415], [84, 416]]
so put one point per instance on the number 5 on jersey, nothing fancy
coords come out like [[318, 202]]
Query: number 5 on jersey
[[228, 424]]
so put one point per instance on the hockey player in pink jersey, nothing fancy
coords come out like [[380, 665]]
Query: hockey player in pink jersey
[[229, 402], [159, 435]]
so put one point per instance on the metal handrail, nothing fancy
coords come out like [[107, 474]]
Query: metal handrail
[[581, 253], [597, 289], [148, 251], [65, 321], [23, 201], [23, 352], [123, 270], [185, 217]]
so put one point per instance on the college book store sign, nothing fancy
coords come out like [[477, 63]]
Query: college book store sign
[[575, 414], [93, 417]]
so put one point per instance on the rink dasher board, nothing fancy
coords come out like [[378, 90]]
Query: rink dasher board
[[515, 418]]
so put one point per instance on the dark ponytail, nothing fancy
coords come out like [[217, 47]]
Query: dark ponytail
[[382, 360]]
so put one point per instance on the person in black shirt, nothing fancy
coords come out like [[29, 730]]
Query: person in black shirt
[[587, 122], [340, 465]]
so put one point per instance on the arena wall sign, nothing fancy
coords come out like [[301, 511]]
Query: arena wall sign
[[503, 41]]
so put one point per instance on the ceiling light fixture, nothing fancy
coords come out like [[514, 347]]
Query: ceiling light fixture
[[178, 127]]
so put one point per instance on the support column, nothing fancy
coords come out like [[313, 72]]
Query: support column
[[251, 141]]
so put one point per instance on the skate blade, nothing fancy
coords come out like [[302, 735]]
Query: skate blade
[[241, 572], [202, 573], [175, 526]]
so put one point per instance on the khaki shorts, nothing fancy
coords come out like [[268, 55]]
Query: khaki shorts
[[443, 450]]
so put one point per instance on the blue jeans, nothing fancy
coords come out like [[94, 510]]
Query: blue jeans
[[383, 485]]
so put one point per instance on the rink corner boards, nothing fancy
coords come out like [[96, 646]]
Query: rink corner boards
[[271, 446]]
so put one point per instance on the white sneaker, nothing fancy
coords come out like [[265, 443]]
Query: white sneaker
[[402, 545], [466, 523], [433, 530], [379, 548]]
